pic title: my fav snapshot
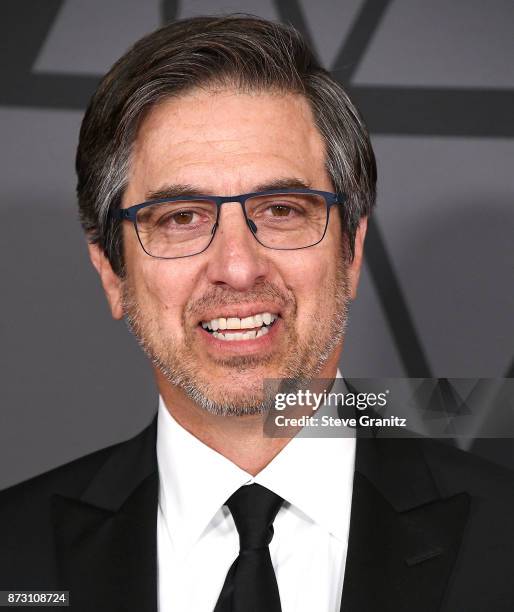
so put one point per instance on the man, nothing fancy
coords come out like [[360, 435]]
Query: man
[[224, 182]]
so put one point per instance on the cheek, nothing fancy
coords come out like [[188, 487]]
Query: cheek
[[311, 275], [162, 290]]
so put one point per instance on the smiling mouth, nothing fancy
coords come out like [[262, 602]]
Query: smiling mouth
[[234, 328]]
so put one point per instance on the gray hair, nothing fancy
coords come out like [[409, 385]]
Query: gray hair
[[244, 52]]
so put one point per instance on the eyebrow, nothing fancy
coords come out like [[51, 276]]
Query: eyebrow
[[181, 189]]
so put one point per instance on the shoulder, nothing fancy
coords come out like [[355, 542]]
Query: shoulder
[[490, 491], [413, 468], [456, 469], [69, 479], [451, 468], [26, 510], [483, 567], [26, 521], [27, 515]]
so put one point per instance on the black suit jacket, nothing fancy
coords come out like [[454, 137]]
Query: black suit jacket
[[432, 529]]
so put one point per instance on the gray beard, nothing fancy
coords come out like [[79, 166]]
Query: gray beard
[[303, 361]]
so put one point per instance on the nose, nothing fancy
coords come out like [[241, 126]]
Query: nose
[[236, 259]]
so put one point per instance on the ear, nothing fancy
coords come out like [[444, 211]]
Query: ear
[[111, 282], [354, 269]]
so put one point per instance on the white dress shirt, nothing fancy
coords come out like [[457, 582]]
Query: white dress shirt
[[197, 540]]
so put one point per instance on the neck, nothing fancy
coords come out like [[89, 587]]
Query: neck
[[238, 438]]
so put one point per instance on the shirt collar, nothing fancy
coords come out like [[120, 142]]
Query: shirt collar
[[194, 480], [313, 474]]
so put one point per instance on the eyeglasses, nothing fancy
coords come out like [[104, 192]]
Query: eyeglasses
[[183, 226]]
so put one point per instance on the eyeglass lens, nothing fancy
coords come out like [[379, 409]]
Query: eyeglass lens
[[280, 221]]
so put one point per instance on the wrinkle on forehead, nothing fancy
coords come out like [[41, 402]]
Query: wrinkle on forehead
[[218, 136]]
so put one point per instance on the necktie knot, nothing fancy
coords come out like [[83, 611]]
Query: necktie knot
[[254, 508]]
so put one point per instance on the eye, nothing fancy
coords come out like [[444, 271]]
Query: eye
[[187, 218], [181, 218], [184, 217], [280, 210], [283, 209]]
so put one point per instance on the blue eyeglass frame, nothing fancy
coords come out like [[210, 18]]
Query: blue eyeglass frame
[[130, 213]]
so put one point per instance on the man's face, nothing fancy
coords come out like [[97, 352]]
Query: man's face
[[227, 143]]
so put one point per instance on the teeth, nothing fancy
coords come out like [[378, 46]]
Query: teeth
[[263, 318], [249, 335], [248, 323], [262, 332]]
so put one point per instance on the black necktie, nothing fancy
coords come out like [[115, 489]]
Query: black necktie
[[251, 584]]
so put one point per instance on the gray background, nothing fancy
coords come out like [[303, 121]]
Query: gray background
[[434, 80]]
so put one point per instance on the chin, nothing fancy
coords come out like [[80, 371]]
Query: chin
[[223, 401], [244, 380]]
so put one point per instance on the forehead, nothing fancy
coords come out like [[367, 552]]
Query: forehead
[[225, 141]]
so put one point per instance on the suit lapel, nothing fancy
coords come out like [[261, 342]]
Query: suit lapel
[[106, 538], [404, 536]]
